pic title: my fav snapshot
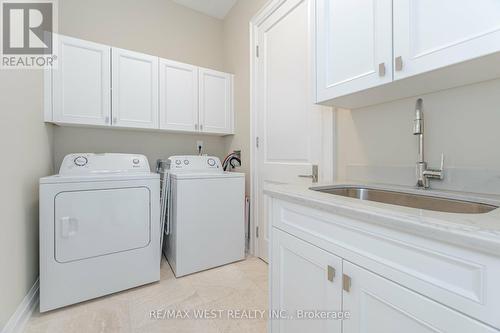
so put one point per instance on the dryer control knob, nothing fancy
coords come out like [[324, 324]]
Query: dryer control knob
[[211, 162], [81, 161]]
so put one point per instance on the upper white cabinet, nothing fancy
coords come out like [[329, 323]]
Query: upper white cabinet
[[178, 96], [97, 85], [354, 45], [430, 34], [81, 83], [134, 89], [215, 101], [365, 48]]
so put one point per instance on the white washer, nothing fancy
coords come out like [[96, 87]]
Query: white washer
[[99, 228], [205, 219]]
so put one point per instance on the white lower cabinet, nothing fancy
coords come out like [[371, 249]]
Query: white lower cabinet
[[383, 280], [307, 282], [379, 305], [304, 278]]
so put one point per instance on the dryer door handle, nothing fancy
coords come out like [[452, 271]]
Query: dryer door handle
[[69, 226]]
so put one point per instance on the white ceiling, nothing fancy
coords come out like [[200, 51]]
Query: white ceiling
[[214, 8]]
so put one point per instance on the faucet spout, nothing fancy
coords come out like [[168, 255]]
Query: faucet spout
[[422, 172], [418, 129]]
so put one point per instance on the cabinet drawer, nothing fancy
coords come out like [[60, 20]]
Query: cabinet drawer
[[457, 277]]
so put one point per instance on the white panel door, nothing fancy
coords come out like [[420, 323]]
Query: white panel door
[[379, 305], [304, 277], [81, 83], [289, 127], [430, 34], [135, 89], [216, 102], [178, 96], [98, 222], [354, 46]]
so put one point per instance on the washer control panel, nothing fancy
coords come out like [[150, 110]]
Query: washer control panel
[[196, 163], [89, 163]]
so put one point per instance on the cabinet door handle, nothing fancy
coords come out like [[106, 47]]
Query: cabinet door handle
[[399, 63], [346, 282], [196, 126], [106, 120], [330, 273], [114, 120], [381, 69], [201, 127]]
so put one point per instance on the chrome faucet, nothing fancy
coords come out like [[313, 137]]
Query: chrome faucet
[[423, 173]]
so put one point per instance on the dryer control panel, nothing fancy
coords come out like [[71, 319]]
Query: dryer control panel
[[90, 163], [195, 163]]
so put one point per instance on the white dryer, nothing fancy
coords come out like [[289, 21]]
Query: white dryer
[[205, 217], [99, 228]]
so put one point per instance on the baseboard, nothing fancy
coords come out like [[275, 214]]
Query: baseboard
[[23, 312]]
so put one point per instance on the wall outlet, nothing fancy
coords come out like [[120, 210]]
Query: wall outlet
[[199, 146]]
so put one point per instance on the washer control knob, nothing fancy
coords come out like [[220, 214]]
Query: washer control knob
[[186, 162], [178, 162], [80, 161], [135, 161], [211, 162]]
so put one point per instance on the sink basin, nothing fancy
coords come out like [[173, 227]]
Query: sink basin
[[420, 201]]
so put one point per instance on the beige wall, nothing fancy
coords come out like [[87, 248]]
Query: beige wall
[[154, 145], [25, 143], [157, 27], [461, 122], [237, 61]]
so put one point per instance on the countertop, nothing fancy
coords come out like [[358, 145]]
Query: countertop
[[476, 231]]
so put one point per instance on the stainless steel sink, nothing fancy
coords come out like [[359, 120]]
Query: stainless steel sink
[[420, 201]]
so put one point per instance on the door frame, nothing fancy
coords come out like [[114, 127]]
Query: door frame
[[328, 137]]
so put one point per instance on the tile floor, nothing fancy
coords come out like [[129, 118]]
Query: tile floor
[[238, 286]]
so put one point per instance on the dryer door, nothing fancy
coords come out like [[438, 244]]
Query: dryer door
[[93, 223]]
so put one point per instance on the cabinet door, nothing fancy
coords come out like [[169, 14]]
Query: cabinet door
[[353, 46], [303, 277], [430, 34], [178, 96], [81, 83], [379, 305], [135, 89], [216, 101]]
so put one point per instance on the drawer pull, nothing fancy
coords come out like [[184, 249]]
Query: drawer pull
[[399, 63], [381, 69], [346, 282], [331, 273]]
